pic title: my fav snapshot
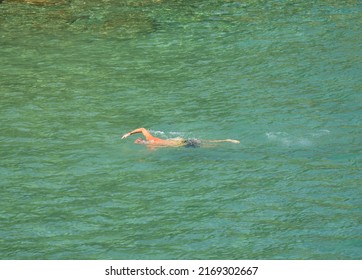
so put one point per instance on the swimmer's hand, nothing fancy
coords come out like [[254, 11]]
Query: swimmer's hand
[[126, 135]]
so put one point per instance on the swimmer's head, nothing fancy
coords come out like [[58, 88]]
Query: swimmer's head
[[140, 141]]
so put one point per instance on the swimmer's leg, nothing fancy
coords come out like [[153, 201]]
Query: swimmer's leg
[[221, 141]]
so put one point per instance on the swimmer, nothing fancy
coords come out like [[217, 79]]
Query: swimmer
[[175, 142]]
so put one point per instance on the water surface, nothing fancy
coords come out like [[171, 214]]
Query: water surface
[[283, 77]]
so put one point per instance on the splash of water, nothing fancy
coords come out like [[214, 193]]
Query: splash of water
[[290, 140]]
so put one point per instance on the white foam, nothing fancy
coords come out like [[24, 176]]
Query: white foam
[[157, 132], [168, 134], [289, 140], [177, 133], [320, 133]]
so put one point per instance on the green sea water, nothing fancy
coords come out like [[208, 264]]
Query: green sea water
[[283, 77]]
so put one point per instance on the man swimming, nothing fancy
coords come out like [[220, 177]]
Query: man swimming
[[175, 142]]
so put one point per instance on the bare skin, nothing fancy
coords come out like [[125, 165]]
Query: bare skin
[[176, 142]]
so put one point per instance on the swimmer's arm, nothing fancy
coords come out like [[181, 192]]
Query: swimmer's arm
[[142, 130]]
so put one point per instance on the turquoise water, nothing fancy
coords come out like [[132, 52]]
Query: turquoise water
[[283, 77]]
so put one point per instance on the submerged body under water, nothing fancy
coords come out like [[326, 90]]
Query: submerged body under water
[[282, 77]]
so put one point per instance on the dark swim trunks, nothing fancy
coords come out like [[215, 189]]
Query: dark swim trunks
[[192, 143]]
